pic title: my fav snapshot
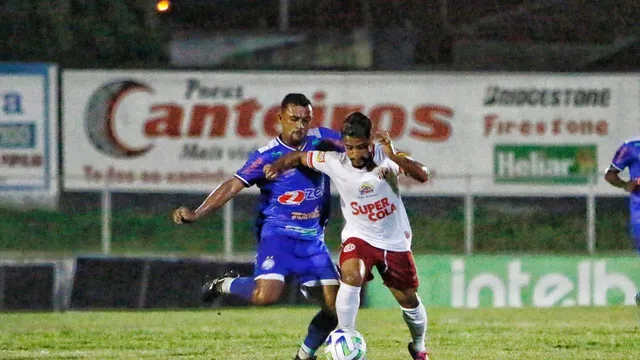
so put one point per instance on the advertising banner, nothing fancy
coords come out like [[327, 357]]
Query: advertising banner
[[547, 134], [514, 134], [28, 135], [544, 164], [525, 281]]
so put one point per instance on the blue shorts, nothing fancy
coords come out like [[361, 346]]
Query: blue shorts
[[309, 261], [635, 234]]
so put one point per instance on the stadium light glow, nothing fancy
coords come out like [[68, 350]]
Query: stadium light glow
[[163, 5]]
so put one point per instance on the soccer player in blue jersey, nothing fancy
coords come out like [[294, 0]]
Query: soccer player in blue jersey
[[628, 156], [290, 225]]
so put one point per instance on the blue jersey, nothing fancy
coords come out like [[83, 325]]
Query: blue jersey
[[297, 203], [628, 156]]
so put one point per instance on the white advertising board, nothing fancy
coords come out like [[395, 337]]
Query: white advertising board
[[28, 135], [189, 131], [546, 134]]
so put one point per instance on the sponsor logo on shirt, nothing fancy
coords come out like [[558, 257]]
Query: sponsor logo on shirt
[[301, 230], [366, 189], [320, 157], [289, 173], [254, 166], [349, 247], [375, 211], [298, 196], [305, 216]]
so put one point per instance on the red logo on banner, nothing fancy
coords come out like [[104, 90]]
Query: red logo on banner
[[116, 135]]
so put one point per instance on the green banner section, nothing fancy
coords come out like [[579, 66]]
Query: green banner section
[[509, 281], [544, 164]]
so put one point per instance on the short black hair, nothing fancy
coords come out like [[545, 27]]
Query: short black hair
[[294, 99], [357, 125]]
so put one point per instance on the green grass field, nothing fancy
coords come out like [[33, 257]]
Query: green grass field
[[274, 334]]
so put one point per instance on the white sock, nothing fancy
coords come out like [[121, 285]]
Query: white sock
[[305, 352], [347, 304], [416, 320], [225, 287]]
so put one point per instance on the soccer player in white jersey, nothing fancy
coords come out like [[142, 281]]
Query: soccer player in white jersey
[[377, 231]]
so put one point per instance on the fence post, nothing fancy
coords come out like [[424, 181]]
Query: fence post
[[468, 218], [283, 15], [2, 285], [144, 284], [591, 215], [228, 229], [106, 220]]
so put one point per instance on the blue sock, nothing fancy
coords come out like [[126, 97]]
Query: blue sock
[[243, 287], [319, 328]]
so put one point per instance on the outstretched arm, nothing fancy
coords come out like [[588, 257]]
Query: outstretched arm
[[284, 163], [410, 167], [612, 177], [218, 197]]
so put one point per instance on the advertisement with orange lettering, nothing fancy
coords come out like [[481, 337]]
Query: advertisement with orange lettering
[[489, 134], [182, 131]]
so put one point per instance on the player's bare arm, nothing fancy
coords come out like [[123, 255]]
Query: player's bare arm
[[612, 176], [411, 168], [285, 162], [218, 197]]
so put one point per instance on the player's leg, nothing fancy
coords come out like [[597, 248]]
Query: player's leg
[[348, 297], [213, 288], [356, 259], [318, 277], [415, 316], [322, 323], [400, 276], [635, 235], [266, 285], [260, 291], [272, 265]]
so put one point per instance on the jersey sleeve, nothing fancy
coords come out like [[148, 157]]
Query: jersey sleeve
[[251, 172], [381, 159], [330, 140], [622, 158], [326, 162]]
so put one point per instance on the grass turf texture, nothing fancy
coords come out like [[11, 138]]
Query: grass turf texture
[[274, 334]]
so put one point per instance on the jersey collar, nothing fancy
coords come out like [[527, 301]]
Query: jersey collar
[[289, 147]]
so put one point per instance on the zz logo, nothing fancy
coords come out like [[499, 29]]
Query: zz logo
[[298, 196]]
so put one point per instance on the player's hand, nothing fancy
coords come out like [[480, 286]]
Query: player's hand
[[270, 172], [384, 139], [183, 215], [632, 185]]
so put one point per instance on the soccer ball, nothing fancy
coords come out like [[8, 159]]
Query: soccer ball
[[345, 344]]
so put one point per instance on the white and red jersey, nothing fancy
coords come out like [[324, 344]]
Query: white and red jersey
[[370, 200]]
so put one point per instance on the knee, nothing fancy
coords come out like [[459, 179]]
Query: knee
[[353, 278], [409, 302]]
